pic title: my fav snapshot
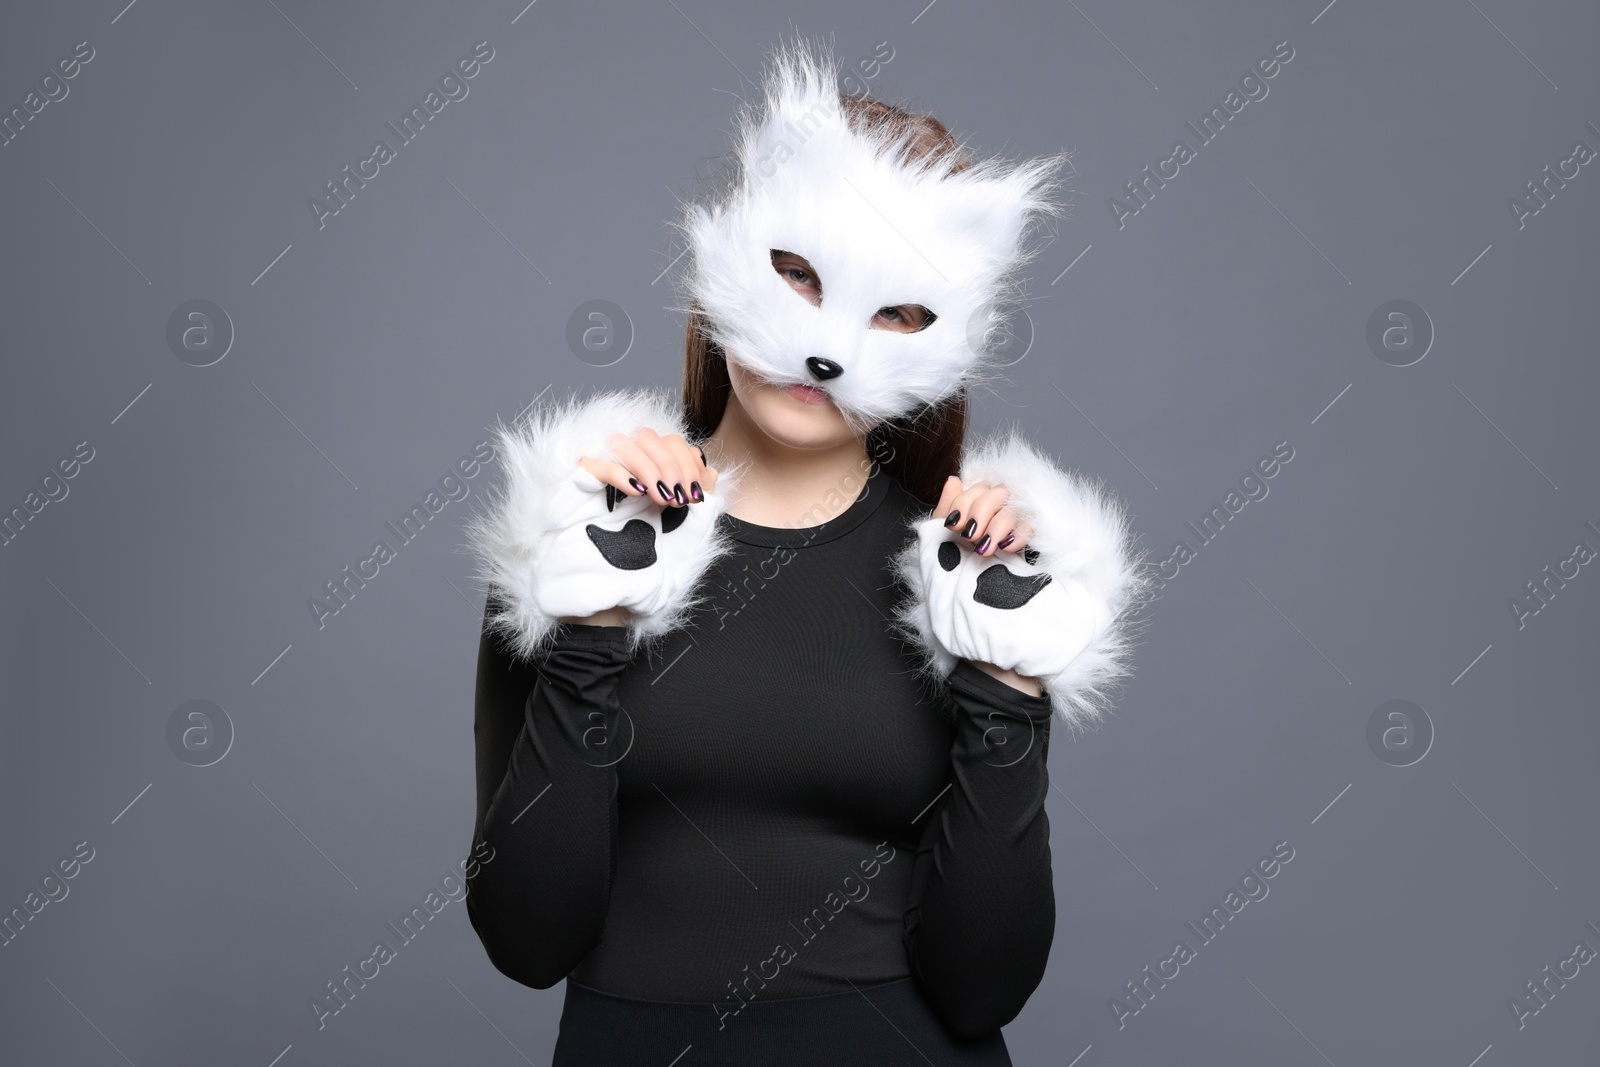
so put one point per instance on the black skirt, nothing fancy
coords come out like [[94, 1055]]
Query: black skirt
[[883, 1025]]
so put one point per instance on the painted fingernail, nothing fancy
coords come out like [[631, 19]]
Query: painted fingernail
[[612, 492], [696, 492], [1010, 537], [637, 484], [982, 545], [970, 528], [661, 487], [952, 518], [679, 495]]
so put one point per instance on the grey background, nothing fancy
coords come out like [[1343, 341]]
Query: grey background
[[1228, 315]]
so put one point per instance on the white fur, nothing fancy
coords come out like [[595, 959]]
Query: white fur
[[1076, 636], [878, 232], [530, 542]]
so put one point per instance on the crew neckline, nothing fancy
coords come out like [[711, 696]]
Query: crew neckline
[[872, 495]]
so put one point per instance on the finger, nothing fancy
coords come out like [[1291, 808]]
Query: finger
[[690, 467], [966, 525], [1000, 526], [1021, 534], [947, 496], [613, 474], [707, 474], [982, 511], [643, 466], [674, 487]]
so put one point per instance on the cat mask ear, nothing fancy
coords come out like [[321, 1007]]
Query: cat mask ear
[[880, 228]]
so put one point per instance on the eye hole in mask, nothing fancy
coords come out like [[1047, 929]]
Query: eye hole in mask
[[802, 278]]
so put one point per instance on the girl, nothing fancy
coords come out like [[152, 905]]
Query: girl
[[761, 742]]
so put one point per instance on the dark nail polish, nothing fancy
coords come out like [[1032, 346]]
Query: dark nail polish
[[952, 518], [612, 492], [1010, 537], [696, 492], [982, 545], [637, 484], [679, 496], [661, 487], [970, 528]]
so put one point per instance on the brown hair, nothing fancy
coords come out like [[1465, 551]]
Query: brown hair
[[921, 449]]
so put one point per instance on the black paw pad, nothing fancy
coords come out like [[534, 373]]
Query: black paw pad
[[672, 518], [999, 588], [949, 555], [632, 548]]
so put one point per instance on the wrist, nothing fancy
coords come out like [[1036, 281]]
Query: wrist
[[1028, 685], [610, 617]]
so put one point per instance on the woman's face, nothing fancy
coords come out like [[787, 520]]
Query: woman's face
[[803, 416]]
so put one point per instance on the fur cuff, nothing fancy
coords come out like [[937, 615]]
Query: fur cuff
[[1083, 541], [537, 541]]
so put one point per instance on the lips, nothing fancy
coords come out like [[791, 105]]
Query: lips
[[807, 394]]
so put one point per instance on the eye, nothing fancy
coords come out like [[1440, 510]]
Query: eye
[[796, 270], [904, 318]]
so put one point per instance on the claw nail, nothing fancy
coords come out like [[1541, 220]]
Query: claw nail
[[982, 545], [696, 492], [970, 528], [952, 518]]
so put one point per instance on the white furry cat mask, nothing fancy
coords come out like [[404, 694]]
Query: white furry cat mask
[[879, 232]]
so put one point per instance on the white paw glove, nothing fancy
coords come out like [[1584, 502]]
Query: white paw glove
[[1057, 611], [556, 542]]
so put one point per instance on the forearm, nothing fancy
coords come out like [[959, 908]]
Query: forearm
[[540, 907], [982, 907]]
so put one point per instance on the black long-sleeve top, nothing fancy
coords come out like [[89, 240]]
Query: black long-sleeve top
[[771, 802]]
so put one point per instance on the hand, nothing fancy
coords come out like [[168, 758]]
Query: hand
[[646, 460], [667, 469], [619, 549], [977, 513], [1053, 605], [1008, 616], [589, 526]]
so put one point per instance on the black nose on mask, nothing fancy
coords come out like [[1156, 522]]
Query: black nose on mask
[[823, 369]]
